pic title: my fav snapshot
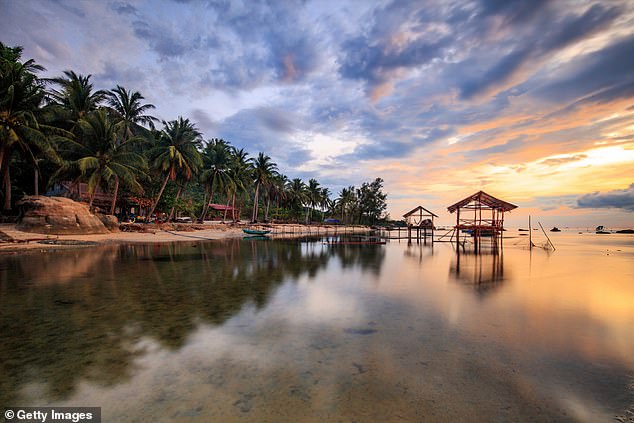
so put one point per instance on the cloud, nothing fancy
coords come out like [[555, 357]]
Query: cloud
[[124, 8], [549, 34], [203, 120], [619, 199], [605, 74], [561, 160], [161, 39]]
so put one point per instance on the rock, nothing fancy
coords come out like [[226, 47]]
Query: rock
[[57, 216], [109, 221]]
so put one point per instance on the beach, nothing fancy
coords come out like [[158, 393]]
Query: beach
[[161, 234]]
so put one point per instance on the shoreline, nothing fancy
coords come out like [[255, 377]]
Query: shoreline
[[30, 241]]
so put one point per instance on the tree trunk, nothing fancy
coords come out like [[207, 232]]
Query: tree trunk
[[149, 215], [255, 203], [2, 158], [266, 212], [204, 212], [211, 197], [224, 217], [307, 215], [36, 181], [6, 182], [233, 206], [178, 193], [92, 198], [116, 193]]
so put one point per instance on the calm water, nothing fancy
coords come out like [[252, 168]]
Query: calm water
[[298, 331]]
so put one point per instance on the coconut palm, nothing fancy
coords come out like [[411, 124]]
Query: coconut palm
[[263, 170], [176, 151], [313, 191], [216, 160], [21, 127], [239, 174], [130, 113], [101, 157], [297, 194], [74, 97], [277, 190], [346, 200], [325, 203]]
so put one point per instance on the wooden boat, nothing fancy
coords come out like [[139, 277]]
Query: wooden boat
[[255, 231], [555, 229]]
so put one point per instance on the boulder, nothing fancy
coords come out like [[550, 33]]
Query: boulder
[[57, 216], [109, 221]]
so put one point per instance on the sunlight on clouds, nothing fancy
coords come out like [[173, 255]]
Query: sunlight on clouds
[[325, 147]]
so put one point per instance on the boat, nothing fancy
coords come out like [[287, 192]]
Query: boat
[[523, 230], [255, 231], [601, 230], [555, 229]]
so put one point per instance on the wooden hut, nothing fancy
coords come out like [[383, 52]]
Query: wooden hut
[[480, 215], [420, 220]]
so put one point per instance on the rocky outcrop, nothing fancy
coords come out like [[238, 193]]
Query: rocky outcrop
[[109, 221], [57, 216]]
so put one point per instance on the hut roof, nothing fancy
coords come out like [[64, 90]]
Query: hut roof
[[220, 207], [484, 198], [417, 209]]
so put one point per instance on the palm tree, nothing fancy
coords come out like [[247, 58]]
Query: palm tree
[[346, 200], [239, 174], [129, 109], [74, 98], [297, 194], [263, 171], [325, 203], [216, 159], [130, 114], [21, 95], [277, 190], [313, 191], [101, 157], [176, 151]]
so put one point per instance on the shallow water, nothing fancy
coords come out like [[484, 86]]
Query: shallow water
[[291, 330]]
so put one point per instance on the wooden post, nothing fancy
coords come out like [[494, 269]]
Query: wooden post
[[530, 233]]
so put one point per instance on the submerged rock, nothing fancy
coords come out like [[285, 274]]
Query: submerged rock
[[57, 216]]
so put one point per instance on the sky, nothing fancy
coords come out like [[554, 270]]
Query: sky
[[531, 101]]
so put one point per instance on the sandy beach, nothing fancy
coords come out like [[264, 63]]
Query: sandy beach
[[20, 240]]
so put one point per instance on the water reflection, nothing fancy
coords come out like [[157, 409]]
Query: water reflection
[[79, 315], [288, 330], [483, 270]]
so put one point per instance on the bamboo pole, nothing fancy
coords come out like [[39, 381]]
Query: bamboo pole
[[530, 233], [551, 243]]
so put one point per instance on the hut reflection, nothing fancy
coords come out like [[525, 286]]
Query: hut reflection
[[482, 269], [418, 251]]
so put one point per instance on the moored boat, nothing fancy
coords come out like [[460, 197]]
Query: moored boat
[[255, 231], [555, 229], [601, 230]]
